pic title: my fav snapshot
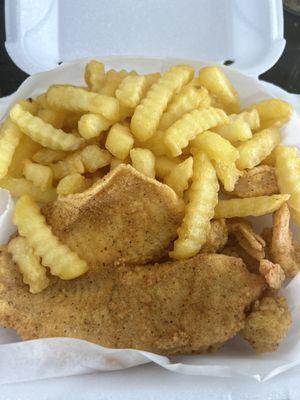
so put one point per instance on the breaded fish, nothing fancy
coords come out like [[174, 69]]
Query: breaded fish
[[245, 236], [282, 250], [176, 307], [267, 324], [125, 217], [258, 181], [217, 237]]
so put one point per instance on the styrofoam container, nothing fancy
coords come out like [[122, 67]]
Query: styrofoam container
[[43, 33]]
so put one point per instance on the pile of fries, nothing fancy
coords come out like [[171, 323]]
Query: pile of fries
[[189, 132]]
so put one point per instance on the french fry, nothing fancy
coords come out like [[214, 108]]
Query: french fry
[[48, 156], [239, 127], [43, 133], [271, 158], [70, 165], [164, 165], [34, 274], [151, 79], [119, 141], [41, 100], [178, 178], [21, 186], [24, 151], [156, 144], [30, 106], [249, 117], [115, 162], [52, 117], [143, 161], [31, 224], [216, 147], [147, 114], [74, 183], [131, 90], [94, 158], [273, 112], [287, 170], [10, 136], [40, 175], [217, 83], [188, 99], [203, 197], [255, 150], [76, 99], [112, 81], [94, 75], [251, 206], [178, 135], [71, 121], [227, 173], [92, 125]]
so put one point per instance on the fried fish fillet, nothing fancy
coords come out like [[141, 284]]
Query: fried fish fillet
[[125, 217], [176, 307], [267, 324], [258, 181]]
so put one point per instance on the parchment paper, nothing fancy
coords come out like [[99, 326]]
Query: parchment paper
[[58, 357]]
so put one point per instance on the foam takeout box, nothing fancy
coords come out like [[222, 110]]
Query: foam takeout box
[[42, 34]]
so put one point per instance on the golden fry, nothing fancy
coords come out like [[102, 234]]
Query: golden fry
[[34, 274], [164, 165], [178, 135], [131, 90], [10, 136], [178, 178], [143, 161], [94, 158], [43, 133], [147, 114], [21, 186], [156, 144], [115, 162], [203, 197], [187, 100], [30, 106], [48, 156], [40, 175], [112, 81], [217, 83], [92, 125], [32, 225], [119, 141], [239, 126], [94, 75], [255, 206], [255, 150], [216, 147], [70, 165], [76, 99], [287, 172], [227, 173], [74, 183], [273, 112], [52, 117]]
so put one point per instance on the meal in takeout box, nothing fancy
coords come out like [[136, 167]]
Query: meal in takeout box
[[132, 201]]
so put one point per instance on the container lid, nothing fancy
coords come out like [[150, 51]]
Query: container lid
[[42, 33]]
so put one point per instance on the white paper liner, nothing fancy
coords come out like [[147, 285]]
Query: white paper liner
[[58, 357]]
